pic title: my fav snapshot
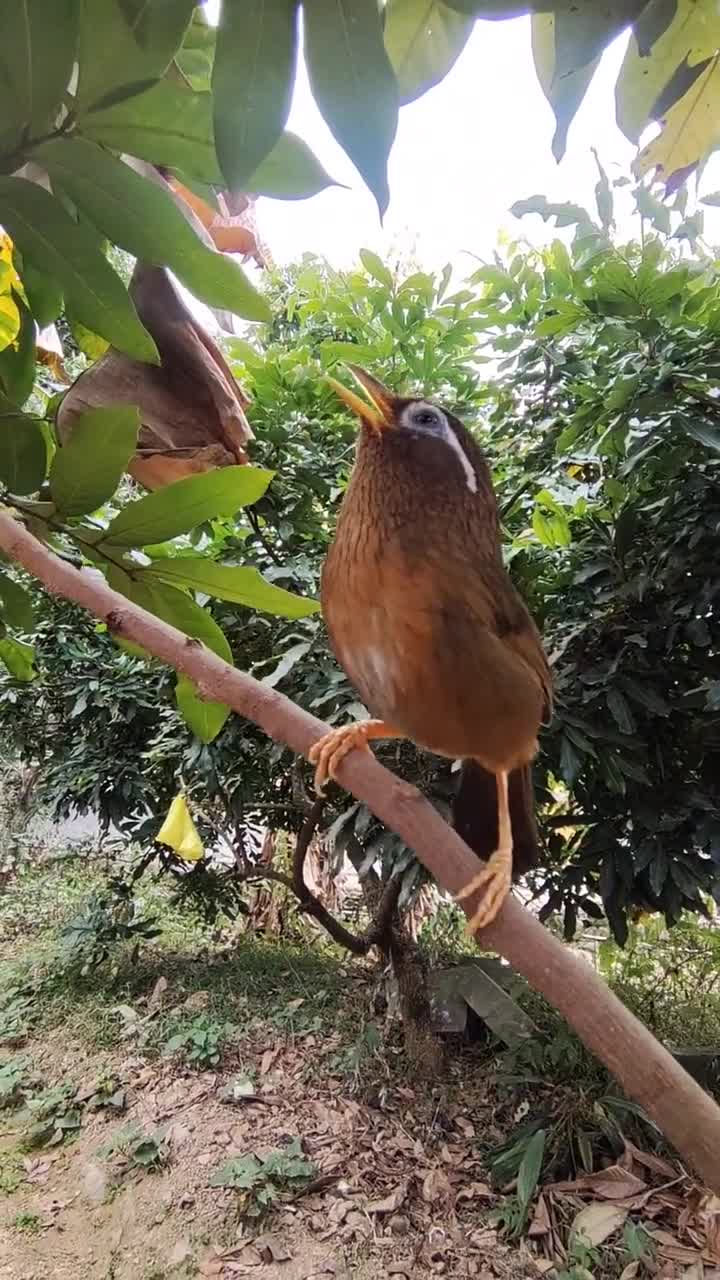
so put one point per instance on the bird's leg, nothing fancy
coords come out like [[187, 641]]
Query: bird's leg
[[328, 751], [497, 872]]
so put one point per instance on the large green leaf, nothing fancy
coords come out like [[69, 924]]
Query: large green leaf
[[205, 718], [87, 470], [127, 44], [253, 75], [17, 362], [197, 55], [230, 582], [354, 84], [290, 172], [16, 607], [23, 456], [692, 36], [564, 93], [424, 39], [18, 658], [43, 293], [38, 47], [184, 505], [42, 229], [567, 46], [143, 218], [167, 125]]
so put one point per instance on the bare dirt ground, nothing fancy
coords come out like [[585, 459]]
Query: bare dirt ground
[[399, 1188]]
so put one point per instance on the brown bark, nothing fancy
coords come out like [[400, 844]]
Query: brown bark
[[648, 1073]]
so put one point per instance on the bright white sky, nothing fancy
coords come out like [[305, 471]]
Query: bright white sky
[[463, 154]]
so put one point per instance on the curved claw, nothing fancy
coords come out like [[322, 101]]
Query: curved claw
[[327, 753], [497, 875]]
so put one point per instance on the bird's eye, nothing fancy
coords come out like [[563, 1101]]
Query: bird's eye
[[425, 418]]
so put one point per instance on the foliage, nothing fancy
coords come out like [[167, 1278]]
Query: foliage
[[262, 1182], [131, 1149], [14, 1078], [201, 1042], [669, 978], [514, 1213], [52, 1116], [108, 920]]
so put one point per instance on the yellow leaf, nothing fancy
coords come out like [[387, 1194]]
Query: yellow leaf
[[180, 833], [9, 321], [691, 37], [690, 130], [11, 281]]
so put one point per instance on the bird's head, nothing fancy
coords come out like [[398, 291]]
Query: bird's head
[[415, 433]]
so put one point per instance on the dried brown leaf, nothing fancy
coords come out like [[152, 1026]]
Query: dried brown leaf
[[597, 1222], [390, 1203]]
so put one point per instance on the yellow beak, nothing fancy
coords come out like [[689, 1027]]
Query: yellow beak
[[379, 415]]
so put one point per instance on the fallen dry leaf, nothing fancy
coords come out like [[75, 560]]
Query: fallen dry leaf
[[614, 1183], [390, 1203], [437, 1187], [597, 1222]]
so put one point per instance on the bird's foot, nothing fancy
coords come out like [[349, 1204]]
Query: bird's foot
[[327, 753], [497, 876]]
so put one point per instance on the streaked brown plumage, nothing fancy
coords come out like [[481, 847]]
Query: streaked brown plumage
[[426, 623]]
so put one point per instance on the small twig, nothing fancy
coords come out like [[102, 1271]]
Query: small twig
[[318, 1184]]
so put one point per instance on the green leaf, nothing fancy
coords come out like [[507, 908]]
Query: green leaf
[[692, 36], [424, 39], [563, 92], [195, 58], [376, 268], [17, 362], [620, 711], [42, 229], [43, 294], [17, 607], [565, 215], [252, 82], [184, 505], [87, 470], [290, 172], [18, 658], [23, 456], [703, 434], [126, 44], [205, 718], [140, 216], [37, 52], [230, 582], [168, 125], [353, 84], [530, 1166]]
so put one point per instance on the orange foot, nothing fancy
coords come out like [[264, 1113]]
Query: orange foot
[[327, 753], [497, 876]]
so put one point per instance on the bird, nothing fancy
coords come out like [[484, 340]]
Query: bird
[[428, 627]]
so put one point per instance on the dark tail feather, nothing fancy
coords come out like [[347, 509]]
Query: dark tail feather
[[475, 814]]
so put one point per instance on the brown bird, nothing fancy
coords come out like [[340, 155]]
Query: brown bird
[[428, 627]]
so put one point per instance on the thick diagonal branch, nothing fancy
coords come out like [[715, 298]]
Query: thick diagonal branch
[[648, 1073]]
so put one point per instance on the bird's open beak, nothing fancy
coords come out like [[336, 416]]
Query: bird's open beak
[[379, 414]]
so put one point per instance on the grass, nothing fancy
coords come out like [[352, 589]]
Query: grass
[[247, 981]]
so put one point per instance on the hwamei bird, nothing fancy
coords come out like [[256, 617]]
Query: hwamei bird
[[427, 625]]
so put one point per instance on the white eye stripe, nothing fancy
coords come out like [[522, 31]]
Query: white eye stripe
[[446, 433]]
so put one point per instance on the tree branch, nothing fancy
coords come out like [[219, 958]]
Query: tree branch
[[648, 1073]]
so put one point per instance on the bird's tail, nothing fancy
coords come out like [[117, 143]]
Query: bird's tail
[[475, 814]]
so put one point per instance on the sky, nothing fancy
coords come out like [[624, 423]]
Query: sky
[[464, 153]]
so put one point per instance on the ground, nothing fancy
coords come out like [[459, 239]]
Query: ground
[[139, 1086]]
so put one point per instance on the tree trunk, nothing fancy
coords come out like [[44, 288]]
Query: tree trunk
[[409, 967]]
